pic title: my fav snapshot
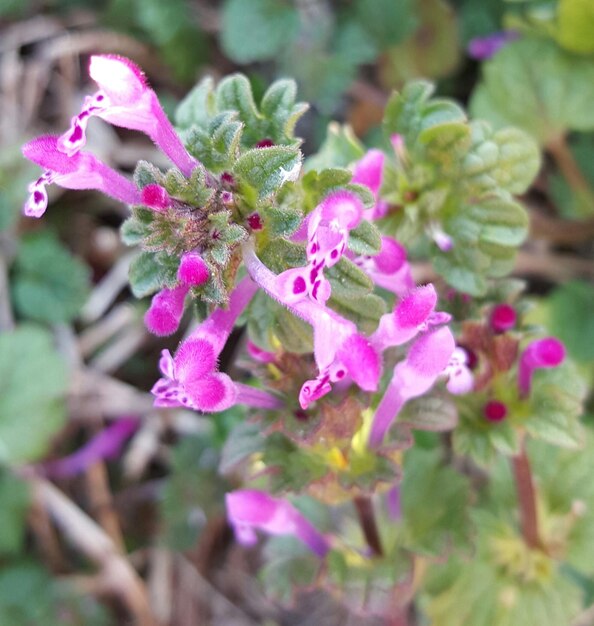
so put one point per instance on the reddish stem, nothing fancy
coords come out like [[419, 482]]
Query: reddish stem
[[526, 499], [366, 516]]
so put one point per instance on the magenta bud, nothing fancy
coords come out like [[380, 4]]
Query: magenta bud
[[542, 353], [255, 221], [495, 411], [265, 143], [156, 197], [192, 270], [503, 318]]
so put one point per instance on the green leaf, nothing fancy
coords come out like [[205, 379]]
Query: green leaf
[[556, 403], [280, 255], [267, 169], [533, 84], [197, 107], [365, 239], [364, 311], [385, 21], [576, 202], [234, 93], [15, 499], [245, 439], [289, 566], [571, 319], [434, 503], [479, 592], [50, 285], [55, 603], [429, 412], [257, 31], [282, 113], [217, 145], [348, 281], [432, 51], [415, 115], [269, 323], [32, 391], [575, 25], [193, 491], [505, 159], [149, 272], [138, 227], [340, 148]]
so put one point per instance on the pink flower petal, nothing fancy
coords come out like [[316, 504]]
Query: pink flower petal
[[195, 358], [193, 271], [541, 353]]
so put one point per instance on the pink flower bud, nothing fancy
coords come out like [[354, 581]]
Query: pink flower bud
[[192, 270], [503, 318]]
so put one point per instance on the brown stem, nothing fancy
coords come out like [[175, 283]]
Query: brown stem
[[526, 499], [366, 516], [569, 167]]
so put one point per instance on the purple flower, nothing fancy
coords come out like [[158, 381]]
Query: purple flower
[[249, 510], [482, 48], [460, 378], [425, 362], [262, 356], [414, 313], [541, 353], [166, 310], [192, 379], [106, 445], [328, 228], [80, 171], [339, 349], [124, 99], [369, 171], [389, 269]]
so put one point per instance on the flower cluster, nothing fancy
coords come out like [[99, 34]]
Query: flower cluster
[[409, 351]]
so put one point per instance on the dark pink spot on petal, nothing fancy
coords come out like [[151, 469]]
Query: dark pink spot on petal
[[299, 285]]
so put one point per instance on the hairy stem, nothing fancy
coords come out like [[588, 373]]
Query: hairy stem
[[366, 516], [526, 499]]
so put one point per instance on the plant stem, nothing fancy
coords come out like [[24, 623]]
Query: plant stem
[[569, 167], [526, 499], [366, 516]]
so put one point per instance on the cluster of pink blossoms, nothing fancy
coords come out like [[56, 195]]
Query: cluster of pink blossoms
[[343, 355]]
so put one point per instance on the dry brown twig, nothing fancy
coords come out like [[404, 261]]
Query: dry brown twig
[[116, 574]]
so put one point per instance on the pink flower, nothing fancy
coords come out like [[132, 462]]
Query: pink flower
[[156, 197], [249, 510], [328, 229], [460, 378], [192, 270], [369, 172], [541, 353], [192, 379], [124, 99], [414, 313], [339, 349], [426, 361], [503, 318], [389, 269], [166, 310], [81, 171]]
